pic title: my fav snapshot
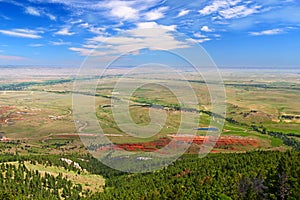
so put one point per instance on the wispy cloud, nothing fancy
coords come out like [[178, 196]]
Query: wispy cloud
[[52, 17], [275, 31], [32, 11], [59, 43], [199, 35], [97, 30], [201, 40], [38, 12], [183, 13], [24, 33], [217, 5], [4, 17], [239, 11], [35, 45], [117, 10], [84, 51], [156, 13], [64, 31], [229, 9], [6, 57]]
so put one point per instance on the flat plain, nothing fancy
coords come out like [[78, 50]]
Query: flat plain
[[38, 112]]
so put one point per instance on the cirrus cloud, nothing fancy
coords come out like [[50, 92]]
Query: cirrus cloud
[[32, 11], [24, 33], [229, 9], [7, 57], [64, 31], [275, 31], [183, 13], [156, 13]]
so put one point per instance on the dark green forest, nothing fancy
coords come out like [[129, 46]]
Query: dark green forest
[[252, 175]]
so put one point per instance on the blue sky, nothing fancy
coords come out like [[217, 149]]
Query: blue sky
[[261, 33]]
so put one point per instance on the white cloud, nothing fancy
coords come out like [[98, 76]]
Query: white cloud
[[268, 32], [91, 28], [90, 46], [32, 11], [36, 45], [97, 30], [131, 10], [64, 31], [24, 33], [155, 37], [82, 51], [239, 11], [206, 29], [84, 25], [156, 14], [229, 9], [202, 40], [78, 21], [183, 12], [199, 35], [122, 9], [59, 43], [217, 5], [38, 12], [52, 17], [124, 12], [145, 25]]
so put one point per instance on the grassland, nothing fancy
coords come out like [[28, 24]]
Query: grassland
[[39, 112]]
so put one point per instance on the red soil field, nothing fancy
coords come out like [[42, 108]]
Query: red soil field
[[160, 143], [221, 141], [8, 114]]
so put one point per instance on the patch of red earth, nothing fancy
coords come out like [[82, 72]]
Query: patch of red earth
[[4, 109], [221, 141], [179, 140], [8, 114], [145, 146]]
